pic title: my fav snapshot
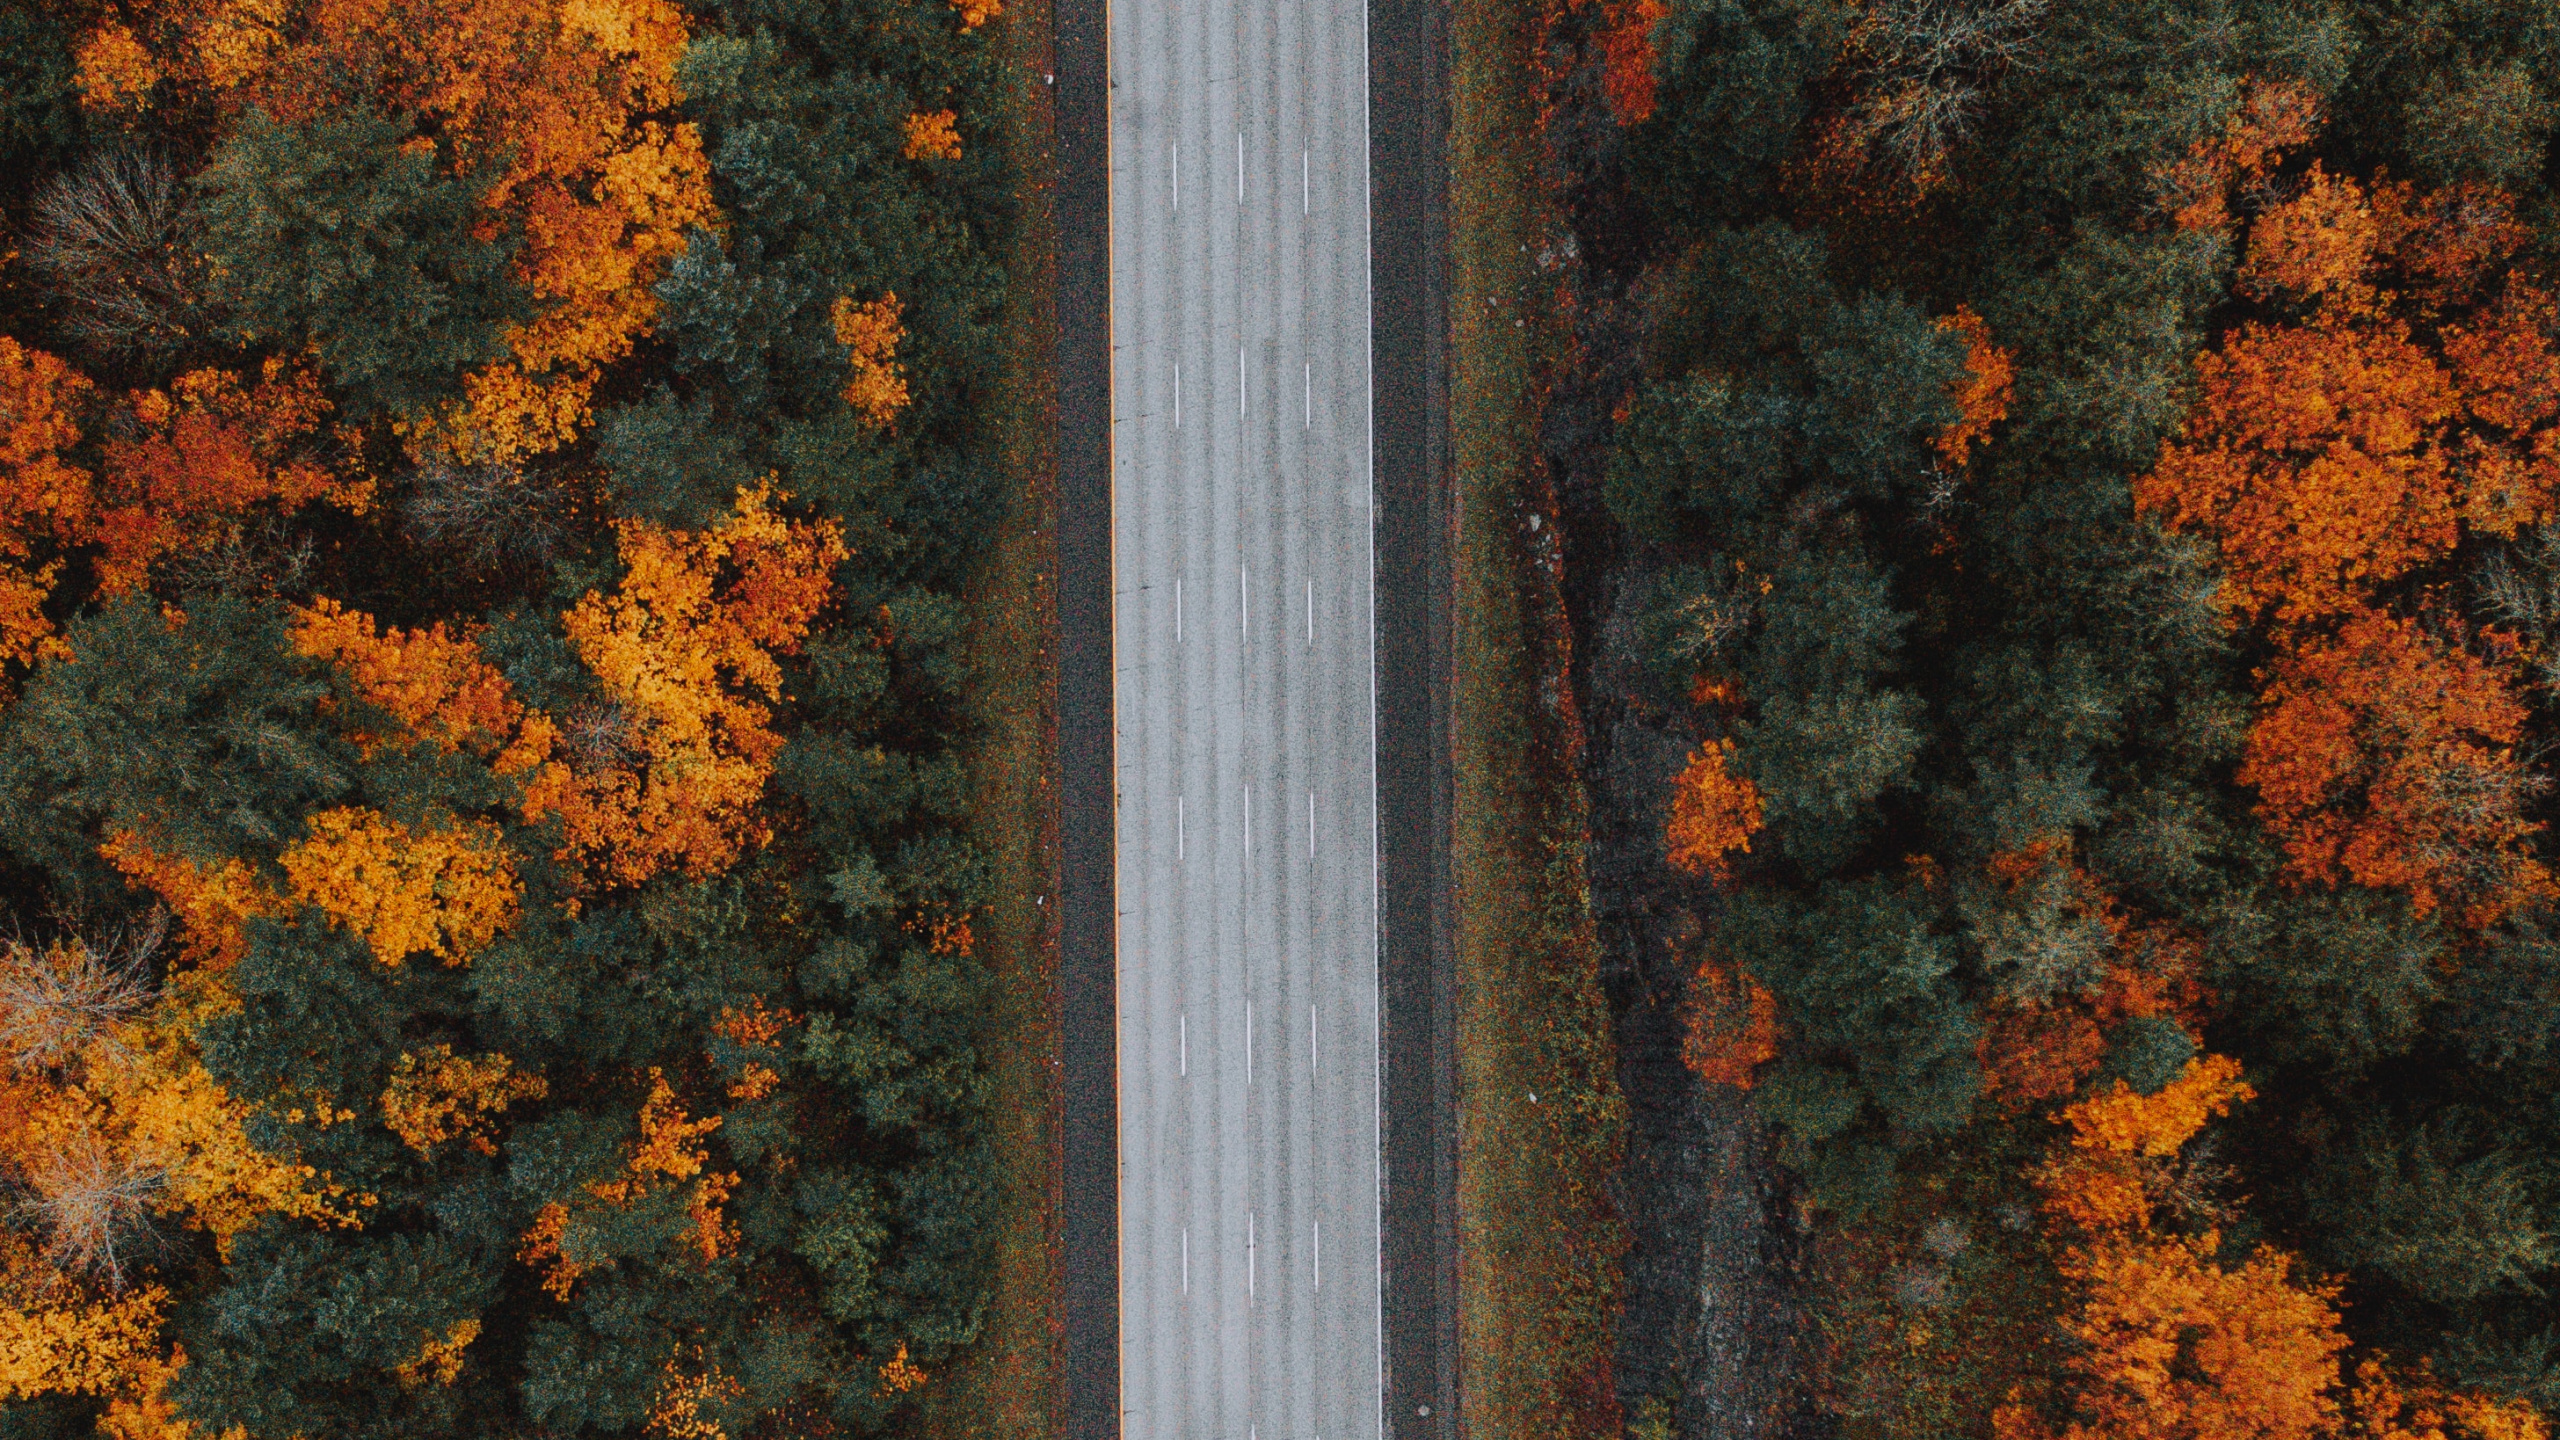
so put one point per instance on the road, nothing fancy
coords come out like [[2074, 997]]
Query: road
[[1245, 765]]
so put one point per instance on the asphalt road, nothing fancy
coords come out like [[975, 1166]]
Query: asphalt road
[[1246, 798]]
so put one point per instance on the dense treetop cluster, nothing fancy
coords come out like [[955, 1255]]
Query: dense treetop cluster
[[484, 489], [2092, 506]]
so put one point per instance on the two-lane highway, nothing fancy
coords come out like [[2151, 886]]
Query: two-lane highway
[[1245, 767]]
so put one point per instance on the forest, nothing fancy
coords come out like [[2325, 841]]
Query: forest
[[486, 488], [2081, 484]]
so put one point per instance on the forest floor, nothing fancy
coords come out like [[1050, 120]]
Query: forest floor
[[1538, 1105], [1006, 1387]]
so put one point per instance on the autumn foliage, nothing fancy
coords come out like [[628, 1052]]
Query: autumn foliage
[[1982, 394], [932, 135], [667, 774], [174, 470], [1714, 812], [2387, 755], [558, 103], [403, 637], [443, 892], [2273, 117], [669, 1151], [439, 1096], [1729, 1025], [2172, 1341], [431, 683], [870, 332], [1627, 57], [2329, 458]]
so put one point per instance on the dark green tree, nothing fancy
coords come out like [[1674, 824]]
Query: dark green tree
[[338, 232]]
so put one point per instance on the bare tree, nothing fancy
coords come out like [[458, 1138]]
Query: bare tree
[[1927, 63], [117, 242], [1702, 625], [93, 1204], [601, 736], [492, 515], [56, 1000], [2520, 589], [263, 555]]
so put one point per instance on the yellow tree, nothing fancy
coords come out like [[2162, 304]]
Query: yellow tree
[[2171, 1343], [667, 774]]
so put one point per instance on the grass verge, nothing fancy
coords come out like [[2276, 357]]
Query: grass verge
[[1541, 1120], [1005, 1387]]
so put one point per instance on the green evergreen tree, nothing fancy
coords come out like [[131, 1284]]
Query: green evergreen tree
[[337, 232]]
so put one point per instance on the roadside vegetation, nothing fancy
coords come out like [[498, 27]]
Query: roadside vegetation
[[2084, 512], [1005, 1387], [1540, 1123], [500, 832]]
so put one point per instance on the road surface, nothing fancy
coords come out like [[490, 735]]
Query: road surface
[[1245, 763]]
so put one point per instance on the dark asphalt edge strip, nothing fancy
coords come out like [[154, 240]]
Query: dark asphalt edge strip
[[1415, 520], [1088, 1000]]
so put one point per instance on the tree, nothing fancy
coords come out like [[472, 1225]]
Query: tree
[[2440, 1214], [2338, 979], [1735, 81], [2387, 756], [446, 892], [869, 333], [666, 770], [2181, 1348], [2170, 1341], [1825, 744], [555, 106], [340, 230], [1729, 1025], [2309, 458], [432, 685], [39, 105], [362, 1333], [201, 735], [2327, 458], [118, 242], [1713, 813], [1981, 393], [201, 455], [177, 471], [535, 120], [1922, 67], [1866, 990], [675, 463], [58, 1337], [44, 493]]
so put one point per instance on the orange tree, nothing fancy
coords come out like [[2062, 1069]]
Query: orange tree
[[2402, 403]]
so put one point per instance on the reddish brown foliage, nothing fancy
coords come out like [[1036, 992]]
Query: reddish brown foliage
[[1713, 812], [1729, 1025], [2386, 754]]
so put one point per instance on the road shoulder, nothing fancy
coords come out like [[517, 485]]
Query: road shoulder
[[1409, 240]]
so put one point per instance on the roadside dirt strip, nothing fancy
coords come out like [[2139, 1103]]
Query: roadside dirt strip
[[1252, 721]]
